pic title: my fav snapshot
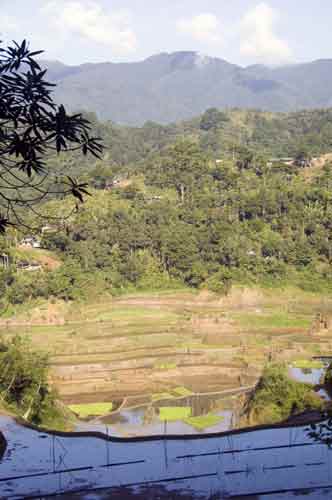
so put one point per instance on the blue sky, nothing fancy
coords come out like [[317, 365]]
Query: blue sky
[[240, 31]]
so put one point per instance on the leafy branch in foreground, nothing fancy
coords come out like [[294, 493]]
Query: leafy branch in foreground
[[32, 129]]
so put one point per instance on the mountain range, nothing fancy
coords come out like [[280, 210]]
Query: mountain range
[[169, 87]]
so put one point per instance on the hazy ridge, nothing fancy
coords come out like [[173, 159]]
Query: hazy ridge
[[170, 87]]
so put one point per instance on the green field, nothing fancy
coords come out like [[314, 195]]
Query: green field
[[204, 421], [165, 366], [174, 413], [309, 364], [91, 409], [182, 391], [159, 396], [273, 320]]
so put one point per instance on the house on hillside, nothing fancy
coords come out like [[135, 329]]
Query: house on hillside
[[285, 160], [30, 242], [25, 265], [302, 161]]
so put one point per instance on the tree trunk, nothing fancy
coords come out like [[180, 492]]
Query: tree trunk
[[182, 193], [27, 413]]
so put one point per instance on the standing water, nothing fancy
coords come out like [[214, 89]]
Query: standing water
[[197, 414], [314, 376]]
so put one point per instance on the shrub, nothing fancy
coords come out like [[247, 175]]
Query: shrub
[[220, 282], [328, 376], [24, 381], [277, 397]]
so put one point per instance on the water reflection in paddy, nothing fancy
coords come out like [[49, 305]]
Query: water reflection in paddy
[[308, 375], [134, 422], [314, 376], [146, 420]]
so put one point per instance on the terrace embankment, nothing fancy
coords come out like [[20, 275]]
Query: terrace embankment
[[147, 344]]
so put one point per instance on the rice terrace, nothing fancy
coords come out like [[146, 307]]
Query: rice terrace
[[164, 347]]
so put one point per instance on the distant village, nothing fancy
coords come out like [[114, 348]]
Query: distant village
[[30, 242]]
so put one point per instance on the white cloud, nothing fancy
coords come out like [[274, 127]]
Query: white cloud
[[259, 40], [8, 24], [203, 28], [90, 20]]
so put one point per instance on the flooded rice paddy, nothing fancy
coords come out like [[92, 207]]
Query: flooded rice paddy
[[197, 414], [194, 414]]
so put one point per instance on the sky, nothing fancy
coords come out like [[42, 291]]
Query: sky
[[244, 32]]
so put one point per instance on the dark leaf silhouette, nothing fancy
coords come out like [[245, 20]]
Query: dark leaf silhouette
[[4, 224], [33, 127]]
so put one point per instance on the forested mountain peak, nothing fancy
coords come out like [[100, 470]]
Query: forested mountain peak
[[168, 87]]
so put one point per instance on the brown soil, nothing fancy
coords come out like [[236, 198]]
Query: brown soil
[[49, 263], [91, 382], [238, 298], [316, 166], [47, 260]]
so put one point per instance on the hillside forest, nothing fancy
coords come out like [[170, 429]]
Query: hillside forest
[[204, 204]]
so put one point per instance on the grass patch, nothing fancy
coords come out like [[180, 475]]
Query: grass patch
[[165, 366], [309, 364], [161, 395], [91, 409], [174, 413], [182, 391], [135, 314], [204, 421], [275, 320], [34, 253], [179, 293]]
